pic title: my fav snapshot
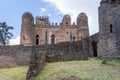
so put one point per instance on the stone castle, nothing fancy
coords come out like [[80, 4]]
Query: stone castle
[[66, 41], [43, 32]]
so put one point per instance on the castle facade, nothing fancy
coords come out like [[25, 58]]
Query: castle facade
[[43, 32]]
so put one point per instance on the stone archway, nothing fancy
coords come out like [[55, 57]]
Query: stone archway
[[94, 48]]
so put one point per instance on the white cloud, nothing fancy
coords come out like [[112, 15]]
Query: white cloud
[[15, 41], [43, 10], [74, 7]]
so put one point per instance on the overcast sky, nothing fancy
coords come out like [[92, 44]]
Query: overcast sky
[[12, 10]]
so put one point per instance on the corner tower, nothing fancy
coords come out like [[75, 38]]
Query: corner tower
[[82, 25], [27, 30], [83, 30], [109, 29]]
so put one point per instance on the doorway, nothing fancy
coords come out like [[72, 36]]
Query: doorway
[[94, 48]]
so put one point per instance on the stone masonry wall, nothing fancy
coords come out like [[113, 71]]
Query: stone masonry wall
[[109, 26], [11, 56], [36, 64], [65, 51]]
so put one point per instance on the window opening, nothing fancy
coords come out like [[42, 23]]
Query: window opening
[[111, 28], [23, 37], [37, 39], [73, 38], [52, 39]]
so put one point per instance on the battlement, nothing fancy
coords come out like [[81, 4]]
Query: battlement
[[59, 25], [42, 20]]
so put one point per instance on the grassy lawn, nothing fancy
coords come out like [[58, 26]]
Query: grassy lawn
[[91, 69]]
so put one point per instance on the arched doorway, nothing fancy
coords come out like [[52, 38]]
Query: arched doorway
[[94, 48], [52, 39], [37, 39]]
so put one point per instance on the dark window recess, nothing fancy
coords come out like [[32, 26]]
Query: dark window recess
[[73, 38], [66, 22], [81, 38], [111, 28], [67, 32], [113, 1], [94, 47], [23, 37], [52, 39], [37, 39]]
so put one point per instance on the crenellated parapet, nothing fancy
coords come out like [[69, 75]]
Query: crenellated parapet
[[42, 20]]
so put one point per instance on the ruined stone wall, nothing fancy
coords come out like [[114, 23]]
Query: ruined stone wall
[[19, 55], [65, 51], [11, 56], [37, 63]]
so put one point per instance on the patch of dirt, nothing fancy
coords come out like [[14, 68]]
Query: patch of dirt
[[63, 77], [2, 78]]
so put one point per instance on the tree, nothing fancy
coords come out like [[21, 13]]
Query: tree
[[5, 35]]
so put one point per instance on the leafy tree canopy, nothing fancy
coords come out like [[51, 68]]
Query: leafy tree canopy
[[5, 34]]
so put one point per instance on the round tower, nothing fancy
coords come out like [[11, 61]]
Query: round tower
[[82, 24], [66, 22], [27, 30]]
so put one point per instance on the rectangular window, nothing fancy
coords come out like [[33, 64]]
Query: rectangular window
[[111, 28]]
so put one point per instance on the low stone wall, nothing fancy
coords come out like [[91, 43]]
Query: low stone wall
[[36, 64], [11, 56], [65, 51]]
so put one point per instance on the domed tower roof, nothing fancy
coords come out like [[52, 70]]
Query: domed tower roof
[[82, 20], [66, 20], [66, 17], [82, 16], [27, 15]]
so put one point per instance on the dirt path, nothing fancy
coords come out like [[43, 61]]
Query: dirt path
[[2, 78]]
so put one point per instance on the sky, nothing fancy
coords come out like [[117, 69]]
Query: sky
[[12, 11]]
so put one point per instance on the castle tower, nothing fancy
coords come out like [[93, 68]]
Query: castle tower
[[82, 24], [109, 29], [83, 31], [27, 30], [66, 22]]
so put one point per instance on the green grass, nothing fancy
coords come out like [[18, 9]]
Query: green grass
[[91, 69]]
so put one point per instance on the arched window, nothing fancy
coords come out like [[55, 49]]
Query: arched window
[[52, 39], [111, 28], [37, 39]]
